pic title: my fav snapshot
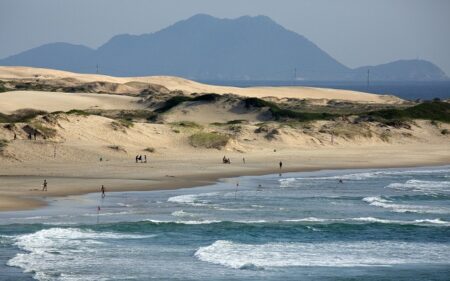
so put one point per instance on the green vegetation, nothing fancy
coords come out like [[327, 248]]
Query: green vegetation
[[20, 116], [78, 112], [121, 125], [3, 144], [209, 140], [174, 101], [281, 113], [435, 110], [116, 148], [45, 131], [2, 87], [187, 125], [150, 149]]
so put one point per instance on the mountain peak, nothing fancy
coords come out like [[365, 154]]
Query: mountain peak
[[205, 47]]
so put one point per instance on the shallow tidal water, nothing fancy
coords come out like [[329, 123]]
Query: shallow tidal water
[[379, 224]]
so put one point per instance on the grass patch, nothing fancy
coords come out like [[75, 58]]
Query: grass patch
[[3, 144], [121, 125], [3, 88], [21, 115], [78, 112], [435, 110], [117, 148], [45, 131], [279, 113], [209, 140], [187, 125], [150, 149], [174, 101]]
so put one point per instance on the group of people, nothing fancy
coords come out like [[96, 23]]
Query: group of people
[[142, 159], [226, 160]]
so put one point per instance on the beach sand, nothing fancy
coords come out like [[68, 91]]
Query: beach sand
[[20, 183]]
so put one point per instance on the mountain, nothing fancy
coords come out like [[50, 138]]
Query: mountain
[[208, 48], [402, 70]]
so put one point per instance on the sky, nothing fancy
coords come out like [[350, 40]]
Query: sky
[[355, 32]]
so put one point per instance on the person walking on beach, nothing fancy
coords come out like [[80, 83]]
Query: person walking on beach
[[137, 157], [145, 158], [44, 185], [281, 165], [103, 191], [243, 160]]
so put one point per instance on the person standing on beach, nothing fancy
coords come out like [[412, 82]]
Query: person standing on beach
[[103, 191], [281, 165], [243, 160], [44, 185], [145, 158]]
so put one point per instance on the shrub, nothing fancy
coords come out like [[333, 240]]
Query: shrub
[[45, 131], [3, 144], [117, 148], [187, 124], [209, 140], [150, 149], [207, 97], [121, 125], [172, 102], [77, 112], [445, 132], [436, 110], [21, 115]]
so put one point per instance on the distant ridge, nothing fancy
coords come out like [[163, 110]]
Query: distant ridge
[[208, 48]]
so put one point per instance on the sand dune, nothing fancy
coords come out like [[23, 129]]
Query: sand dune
[[53, 101], [188, 86]]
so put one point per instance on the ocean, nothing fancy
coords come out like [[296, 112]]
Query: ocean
[[378, 224], [409, 90]]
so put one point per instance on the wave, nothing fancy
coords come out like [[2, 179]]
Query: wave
[[332, 254], [404, 208], [310, 220], [288, 182], [181, 213], [427, 187], [60, 247], [191, 199]]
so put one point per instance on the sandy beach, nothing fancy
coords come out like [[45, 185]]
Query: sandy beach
[[21, 182]]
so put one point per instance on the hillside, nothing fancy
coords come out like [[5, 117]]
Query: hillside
[[207, 48]]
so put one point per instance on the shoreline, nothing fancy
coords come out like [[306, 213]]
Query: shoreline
[[119, 176]]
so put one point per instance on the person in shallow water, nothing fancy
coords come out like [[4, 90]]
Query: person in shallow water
[[103, 191], [44, 185]]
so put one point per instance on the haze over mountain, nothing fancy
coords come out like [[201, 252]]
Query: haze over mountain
[[208, 48]]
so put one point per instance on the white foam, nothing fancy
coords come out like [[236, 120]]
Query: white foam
[[361, 176], [181, 213], [427, 187], [404, 208], [191, 199], [334, 254], [52, 251], [185, 222]]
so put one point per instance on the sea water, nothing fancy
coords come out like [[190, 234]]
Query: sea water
[[383, 224]]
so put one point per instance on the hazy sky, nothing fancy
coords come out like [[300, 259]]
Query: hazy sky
[[355, 32]]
